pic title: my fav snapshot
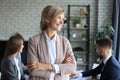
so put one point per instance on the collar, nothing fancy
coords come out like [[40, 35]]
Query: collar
[[54, 38], [106, 59]]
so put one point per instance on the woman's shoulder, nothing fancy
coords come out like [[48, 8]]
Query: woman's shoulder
[[35, 38], [8, 60]]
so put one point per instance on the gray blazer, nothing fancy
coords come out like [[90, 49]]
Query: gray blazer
[[38, 51], [9, 70]]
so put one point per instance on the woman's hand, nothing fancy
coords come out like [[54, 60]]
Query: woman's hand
[[39, 66], [68, 59]]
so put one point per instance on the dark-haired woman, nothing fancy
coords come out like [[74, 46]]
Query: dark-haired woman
[[11, 67]]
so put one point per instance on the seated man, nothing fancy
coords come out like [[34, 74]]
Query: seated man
[[109, 68]]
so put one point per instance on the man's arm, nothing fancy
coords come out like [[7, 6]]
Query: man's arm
[[93, 72]]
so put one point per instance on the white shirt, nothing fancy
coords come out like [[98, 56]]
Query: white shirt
[[19, 74], [106, 59], [51, 43], [23, 66]]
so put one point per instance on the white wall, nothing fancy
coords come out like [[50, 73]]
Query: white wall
[[105, 8], [23, 16]]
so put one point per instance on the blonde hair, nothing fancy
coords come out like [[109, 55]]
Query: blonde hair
[[49, 12]]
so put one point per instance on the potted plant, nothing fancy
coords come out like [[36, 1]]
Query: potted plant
[[86, 12], [86, 26], [77, 23], [84, 36], [106, 31]]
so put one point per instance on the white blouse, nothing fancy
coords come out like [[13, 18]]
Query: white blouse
[[19, 74]]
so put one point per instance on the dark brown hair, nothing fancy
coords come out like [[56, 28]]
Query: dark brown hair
[[104, 43], [13, 44]]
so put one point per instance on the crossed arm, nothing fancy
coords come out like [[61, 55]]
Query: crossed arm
[[44, 70]]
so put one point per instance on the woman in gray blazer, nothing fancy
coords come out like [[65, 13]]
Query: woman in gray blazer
[[47, 50], [11, 67]]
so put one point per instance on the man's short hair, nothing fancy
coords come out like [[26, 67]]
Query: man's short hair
[[104, 43]]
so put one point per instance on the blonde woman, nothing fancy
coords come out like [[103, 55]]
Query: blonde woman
[[47, 50]]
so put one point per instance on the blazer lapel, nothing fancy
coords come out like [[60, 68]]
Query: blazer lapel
[[16, 71], [45, 48], [107, 64], [105, 69], [14, 64], [59, 50]]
